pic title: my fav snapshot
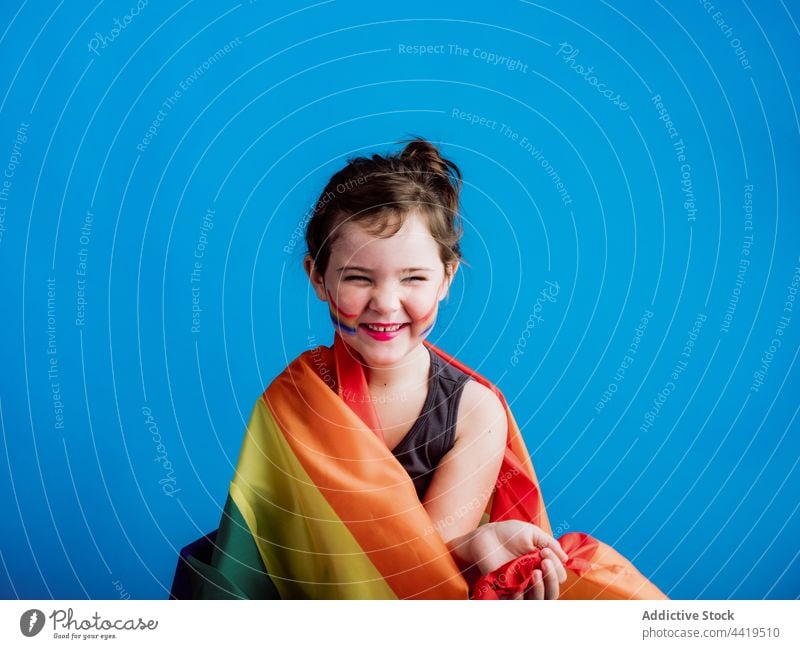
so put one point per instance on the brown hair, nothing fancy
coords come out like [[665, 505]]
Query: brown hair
[[379, 192]]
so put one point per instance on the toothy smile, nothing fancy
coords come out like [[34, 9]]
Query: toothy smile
[[389, 328]]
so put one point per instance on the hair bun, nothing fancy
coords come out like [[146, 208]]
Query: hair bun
[[421, 152], [420, 148]]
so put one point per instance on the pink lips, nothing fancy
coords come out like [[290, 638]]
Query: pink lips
[[382, 335]]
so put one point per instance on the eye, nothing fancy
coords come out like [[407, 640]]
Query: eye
[[356, 277], [417, 279]]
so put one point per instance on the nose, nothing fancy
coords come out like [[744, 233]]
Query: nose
[[385, 298]]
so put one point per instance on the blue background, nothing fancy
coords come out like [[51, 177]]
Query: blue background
[[703, 501]]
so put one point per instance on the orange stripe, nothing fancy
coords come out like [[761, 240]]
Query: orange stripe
[[597, 571], [363, 482]]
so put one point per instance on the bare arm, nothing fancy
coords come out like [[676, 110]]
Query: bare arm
[[460, 489], [465, 477]]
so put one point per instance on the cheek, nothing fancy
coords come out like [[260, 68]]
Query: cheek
[[345, 308], [423, 302], [424, 315], [348, 298], [418, 307]]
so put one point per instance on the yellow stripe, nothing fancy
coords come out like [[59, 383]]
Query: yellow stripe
[[300, 529]]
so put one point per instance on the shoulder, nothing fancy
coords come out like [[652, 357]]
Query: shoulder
[[481, 415]]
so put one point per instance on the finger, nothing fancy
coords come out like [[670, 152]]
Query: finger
[[561, 572], [537, 590], [550, 580], [542, 540], [555, 546]]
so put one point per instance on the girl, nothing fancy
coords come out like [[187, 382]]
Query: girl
[[382, 467]]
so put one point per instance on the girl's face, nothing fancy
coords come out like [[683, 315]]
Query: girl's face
[[394, 284]]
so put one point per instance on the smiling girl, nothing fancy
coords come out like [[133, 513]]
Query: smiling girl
[[381, 466], [383, 255]]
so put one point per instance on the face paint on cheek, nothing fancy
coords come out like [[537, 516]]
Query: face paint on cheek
[[346, 322], [428, 320]]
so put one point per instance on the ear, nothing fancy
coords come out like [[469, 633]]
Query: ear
[[316, 279], [449, 274]]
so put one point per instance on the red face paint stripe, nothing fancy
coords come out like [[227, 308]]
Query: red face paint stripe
[[428, 319], [338, 310]]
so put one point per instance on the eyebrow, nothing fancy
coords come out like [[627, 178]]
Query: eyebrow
[[367, 270]]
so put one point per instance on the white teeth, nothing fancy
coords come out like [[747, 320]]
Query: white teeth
[[392, 328]]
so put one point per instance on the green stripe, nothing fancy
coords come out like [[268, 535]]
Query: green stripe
[[237, 558], [236, 570]]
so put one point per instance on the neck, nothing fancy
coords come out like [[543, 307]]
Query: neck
[[406, 373]]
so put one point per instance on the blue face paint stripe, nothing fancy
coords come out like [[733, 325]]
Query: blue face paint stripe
[[350, 330], [427, 329]]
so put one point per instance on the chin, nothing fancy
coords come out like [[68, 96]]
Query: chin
[[380, 357], [381, 353]]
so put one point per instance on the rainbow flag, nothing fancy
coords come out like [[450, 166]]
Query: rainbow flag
[[320, 508]]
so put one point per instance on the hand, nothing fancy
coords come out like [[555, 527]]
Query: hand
[[494, 544], [546, 580]]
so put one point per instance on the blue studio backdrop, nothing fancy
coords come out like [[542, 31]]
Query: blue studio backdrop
[[630, 207]]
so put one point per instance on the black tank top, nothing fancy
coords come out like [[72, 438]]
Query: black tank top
[[433, 433]]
